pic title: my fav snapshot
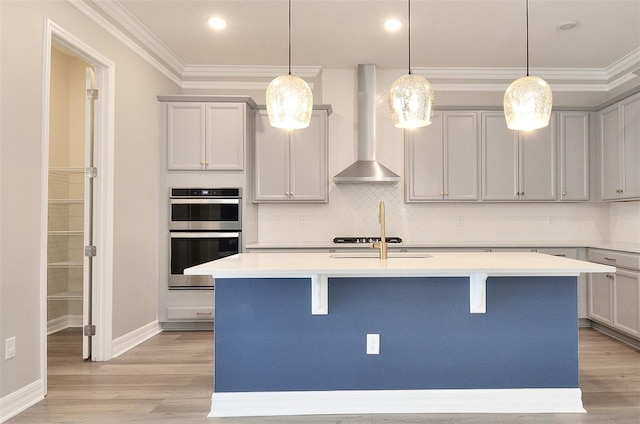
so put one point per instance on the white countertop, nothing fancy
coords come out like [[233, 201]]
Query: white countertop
[[266, 265], [620, 246]]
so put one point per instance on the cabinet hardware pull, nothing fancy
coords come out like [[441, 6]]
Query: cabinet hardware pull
[[203, 313], [610, 259]]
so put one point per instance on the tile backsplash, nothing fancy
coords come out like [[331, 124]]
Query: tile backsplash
[[353, 210]]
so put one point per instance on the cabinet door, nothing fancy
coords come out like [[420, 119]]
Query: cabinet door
[[424, 161], [601, 297], [537, 167], [626, 302], [630, 172], [499, 158], [225, 136], [461, 156], [610, 153], [574, 155], [271, 181], [185, 136], [308, 160]]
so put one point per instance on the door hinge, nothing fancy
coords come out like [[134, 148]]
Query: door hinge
[[90, 251], [89, 330], [92, 94], [91, 172]]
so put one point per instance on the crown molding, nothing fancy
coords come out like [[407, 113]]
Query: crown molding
[[141, 34], [125, 39], [257, 71], [229, 85]]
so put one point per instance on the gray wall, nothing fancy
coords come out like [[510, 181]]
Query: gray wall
[[21, 162]]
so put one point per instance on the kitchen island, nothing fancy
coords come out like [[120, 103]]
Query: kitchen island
[[458, 333]]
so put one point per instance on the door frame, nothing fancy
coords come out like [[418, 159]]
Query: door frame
[[104, 190]]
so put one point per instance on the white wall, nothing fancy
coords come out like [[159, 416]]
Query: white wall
[[136, 186], [624, 222]]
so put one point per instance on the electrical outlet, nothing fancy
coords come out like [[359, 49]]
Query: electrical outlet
[[303, 221], [9, 348], [373, 344]]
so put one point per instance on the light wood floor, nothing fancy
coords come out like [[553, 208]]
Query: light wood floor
[[168, 379]]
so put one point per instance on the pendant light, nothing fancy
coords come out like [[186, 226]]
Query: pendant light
[[289, 98], [528, 100], [411, 96]]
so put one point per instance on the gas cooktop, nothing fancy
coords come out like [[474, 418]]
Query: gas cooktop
[[365, 239]]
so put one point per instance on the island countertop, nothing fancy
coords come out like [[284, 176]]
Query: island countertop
[[398, 264]]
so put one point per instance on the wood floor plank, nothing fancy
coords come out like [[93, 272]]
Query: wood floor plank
[[169, 379]]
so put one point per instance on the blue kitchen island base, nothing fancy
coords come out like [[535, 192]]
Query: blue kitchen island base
[[273, 357]]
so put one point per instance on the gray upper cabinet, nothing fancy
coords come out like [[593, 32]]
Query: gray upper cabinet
[[206, 136], [442, 159], [291, 166], [620, 150], [574, 155], [517, 165]]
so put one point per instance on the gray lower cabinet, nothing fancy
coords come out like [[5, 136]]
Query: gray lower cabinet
[[291, 166], [614, 298]]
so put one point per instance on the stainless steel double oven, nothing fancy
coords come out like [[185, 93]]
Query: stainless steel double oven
[[205, 224]]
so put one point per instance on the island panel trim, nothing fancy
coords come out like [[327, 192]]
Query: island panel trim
[[497, 401]]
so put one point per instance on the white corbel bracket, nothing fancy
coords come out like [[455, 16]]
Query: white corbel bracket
[[478, 293], [319, 294]]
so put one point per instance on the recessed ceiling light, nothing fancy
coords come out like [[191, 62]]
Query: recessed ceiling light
[[567, 25], [217, 23], [392, 24]]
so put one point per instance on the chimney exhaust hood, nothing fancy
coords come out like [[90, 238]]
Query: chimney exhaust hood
[[366, 170]]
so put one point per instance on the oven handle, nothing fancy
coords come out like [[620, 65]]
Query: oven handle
[[183, 234], [205, 201]]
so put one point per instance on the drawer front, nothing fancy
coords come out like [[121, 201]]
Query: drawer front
[[189, 313], [614, 258]]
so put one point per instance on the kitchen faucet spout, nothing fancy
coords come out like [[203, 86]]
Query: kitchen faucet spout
[[382, 244]]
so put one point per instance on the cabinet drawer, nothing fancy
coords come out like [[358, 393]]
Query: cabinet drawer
[[189, 313], [614, 258]]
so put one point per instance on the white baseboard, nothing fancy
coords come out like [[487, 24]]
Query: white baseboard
[[134, 338], [65, 321], [494, 401], [16, 402]]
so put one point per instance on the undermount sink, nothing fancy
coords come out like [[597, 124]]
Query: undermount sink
[[376, 255]]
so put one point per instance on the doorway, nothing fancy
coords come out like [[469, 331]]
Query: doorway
[[73, 167], [70, 206]]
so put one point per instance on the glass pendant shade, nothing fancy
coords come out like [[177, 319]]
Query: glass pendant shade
[[527, 103], [289, 102], [411, 102]]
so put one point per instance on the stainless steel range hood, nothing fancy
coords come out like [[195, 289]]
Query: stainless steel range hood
[[366, 170]]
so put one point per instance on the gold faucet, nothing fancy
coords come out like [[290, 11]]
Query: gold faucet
[[382, 244]]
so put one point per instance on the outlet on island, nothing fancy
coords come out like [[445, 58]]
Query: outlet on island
[[373, 344]]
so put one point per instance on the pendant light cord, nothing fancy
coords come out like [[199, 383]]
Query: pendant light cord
[[290, 37], [527, 16], [409, 31]]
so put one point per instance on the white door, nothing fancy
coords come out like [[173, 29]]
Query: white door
[[90, 174]]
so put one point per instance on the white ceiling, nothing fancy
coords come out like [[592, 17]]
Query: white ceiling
[[445, 34]]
